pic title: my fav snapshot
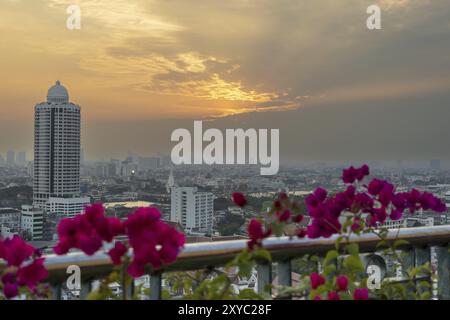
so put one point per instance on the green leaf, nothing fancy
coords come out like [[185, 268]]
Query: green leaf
[[381, 244], [262, 254], [399, 243], [337, 244], [353, 263], [352, 249], [425, 296], [329, 269], [425, 284], [249, 294], [330, 257]]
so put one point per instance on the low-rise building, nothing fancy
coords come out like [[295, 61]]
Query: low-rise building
[[32, 222], [67, 207]]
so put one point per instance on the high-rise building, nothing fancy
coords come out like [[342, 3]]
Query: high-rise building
[[192, 209], [10, 158], [170, 182], [148, 163], [435, 164], [21, 159], [56, 149]]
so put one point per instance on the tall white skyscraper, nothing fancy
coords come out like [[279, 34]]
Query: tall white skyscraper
[[192, 209], [56, 149]]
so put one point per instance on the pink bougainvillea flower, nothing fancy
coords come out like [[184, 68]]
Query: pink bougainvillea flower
[[325, 220], [255, 229], [363, 171], [375, 186], [361, 294], [8, 277], [311, 201], [282, 196], [320, 194], [285, 216], [170, 241], [333, 295], [356, 226], [298, 218], [32, 274], [117, 252], [153, 241], [239, 199], [256, 233], [316, 280], [89, 244], [136, 269], [399, 201], [345, 199], [27, 268], [363, 201], [429, 201], [16, 251], [342, 283], [301, 232], [396, 215], [2, 248], [349, 175], [386, 194], [87, 231], [10, 290]]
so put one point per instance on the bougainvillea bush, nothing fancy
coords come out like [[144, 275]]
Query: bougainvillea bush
[[143, 241], [153, 242], [362, 207], [22, 270]]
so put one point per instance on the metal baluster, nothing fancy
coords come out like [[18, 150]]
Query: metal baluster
[[408, 262], [56, 292], [86, 287], [422, 255], [285, 274], [264, 277], [155, 286], [443, 272], [130, 290]]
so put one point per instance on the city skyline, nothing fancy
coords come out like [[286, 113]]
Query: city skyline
[[335, 89]]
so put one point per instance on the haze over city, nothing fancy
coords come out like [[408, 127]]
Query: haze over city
[[336, 90]]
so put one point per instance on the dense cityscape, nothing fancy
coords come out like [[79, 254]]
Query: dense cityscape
[[197, 197]]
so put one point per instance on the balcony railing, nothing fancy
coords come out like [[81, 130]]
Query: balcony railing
[[215, 254]]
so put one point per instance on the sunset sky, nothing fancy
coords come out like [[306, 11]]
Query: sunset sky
[[140, 68]]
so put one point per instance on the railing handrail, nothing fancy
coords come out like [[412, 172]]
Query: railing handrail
[[210, 254]]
